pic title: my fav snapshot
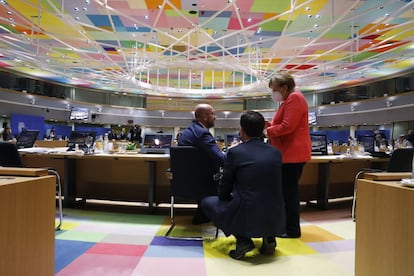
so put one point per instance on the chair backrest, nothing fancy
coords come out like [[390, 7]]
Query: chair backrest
[[193, 173], [401, 160], [9, 155]]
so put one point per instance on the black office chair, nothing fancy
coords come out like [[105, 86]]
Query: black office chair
[[9, 157], [192, 178], [400, 161]]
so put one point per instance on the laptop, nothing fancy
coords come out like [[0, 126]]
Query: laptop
[[79, 138], [319, 144], [27, 138], [368, 142], [157, 143]]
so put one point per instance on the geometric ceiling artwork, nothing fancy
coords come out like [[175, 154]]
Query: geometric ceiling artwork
[[206, 48]]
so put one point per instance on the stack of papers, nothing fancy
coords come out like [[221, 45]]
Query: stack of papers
[[408, 182]]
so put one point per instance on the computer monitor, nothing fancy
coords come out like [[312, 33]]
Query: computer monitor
[[157, 143], [79, 113], [27, 138], [79, 138], [230, 139], [319, 144], [368, 142]]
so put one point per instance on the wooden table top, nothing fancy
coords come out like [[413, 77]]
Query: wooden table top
[[15, 171], [387, 176]]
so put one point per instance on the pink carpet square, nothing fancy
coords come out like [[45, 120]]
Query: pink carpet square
[[102, 265], [118, 249]]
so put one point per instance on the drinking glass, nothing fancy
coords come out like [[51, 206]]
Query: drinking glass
[[89, 143]]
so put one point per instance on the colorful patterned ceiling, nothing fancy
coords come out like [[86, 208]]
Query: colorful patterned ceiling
[[206, 48]]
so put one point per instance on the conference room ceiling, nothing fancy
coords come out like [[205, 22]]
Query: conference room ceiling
[[206, 48]]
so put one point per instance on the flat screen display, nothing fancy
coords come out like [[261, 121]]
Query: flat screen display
[[319, 144], [27, 138], [368, 142], [157, 143], [79, 113], [312, 118], [79, 137], [157, 140]]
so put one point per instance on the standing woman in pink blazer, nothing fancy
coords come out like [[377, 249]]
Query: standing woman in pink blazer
[[289, 132]]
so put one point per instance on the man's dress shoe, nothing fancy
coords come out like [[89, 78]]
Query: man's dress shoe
[[268, 246], [241, 250]]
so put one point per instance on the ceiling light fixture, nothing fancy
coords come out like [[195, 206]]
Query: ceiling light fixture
[[232, 61]]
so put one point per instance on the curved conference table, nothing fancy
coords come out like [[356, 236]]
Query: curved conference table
[[141, 177]]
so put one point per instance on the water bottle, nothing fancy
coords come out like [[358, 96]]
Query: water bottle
[[106, 143]]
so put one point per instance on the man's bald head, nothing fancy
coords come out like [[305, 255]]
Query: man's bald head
[[204, 113]]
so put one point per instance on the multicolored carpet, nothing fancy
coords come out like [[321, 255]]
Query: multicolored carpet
[[99, 243]]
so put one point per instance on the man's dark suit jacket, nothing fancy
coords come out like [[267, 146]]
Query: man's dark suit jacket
[[250, 201], [198, 136]]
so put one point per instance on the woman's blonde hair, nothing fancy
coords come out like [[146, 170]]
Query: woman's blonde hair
[[283, 79]]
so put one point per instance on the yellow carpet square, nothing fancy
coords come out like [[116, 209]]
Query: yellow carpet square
[[289, 247], [68, 225], [221, 247]]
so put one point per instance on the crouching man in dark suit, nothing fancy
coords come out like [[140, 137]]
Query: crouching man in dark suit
[[250, 201]]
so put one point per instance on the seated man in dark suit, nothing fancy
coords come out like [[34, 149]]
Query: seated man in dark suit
[[199, 136], [250, 201]]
